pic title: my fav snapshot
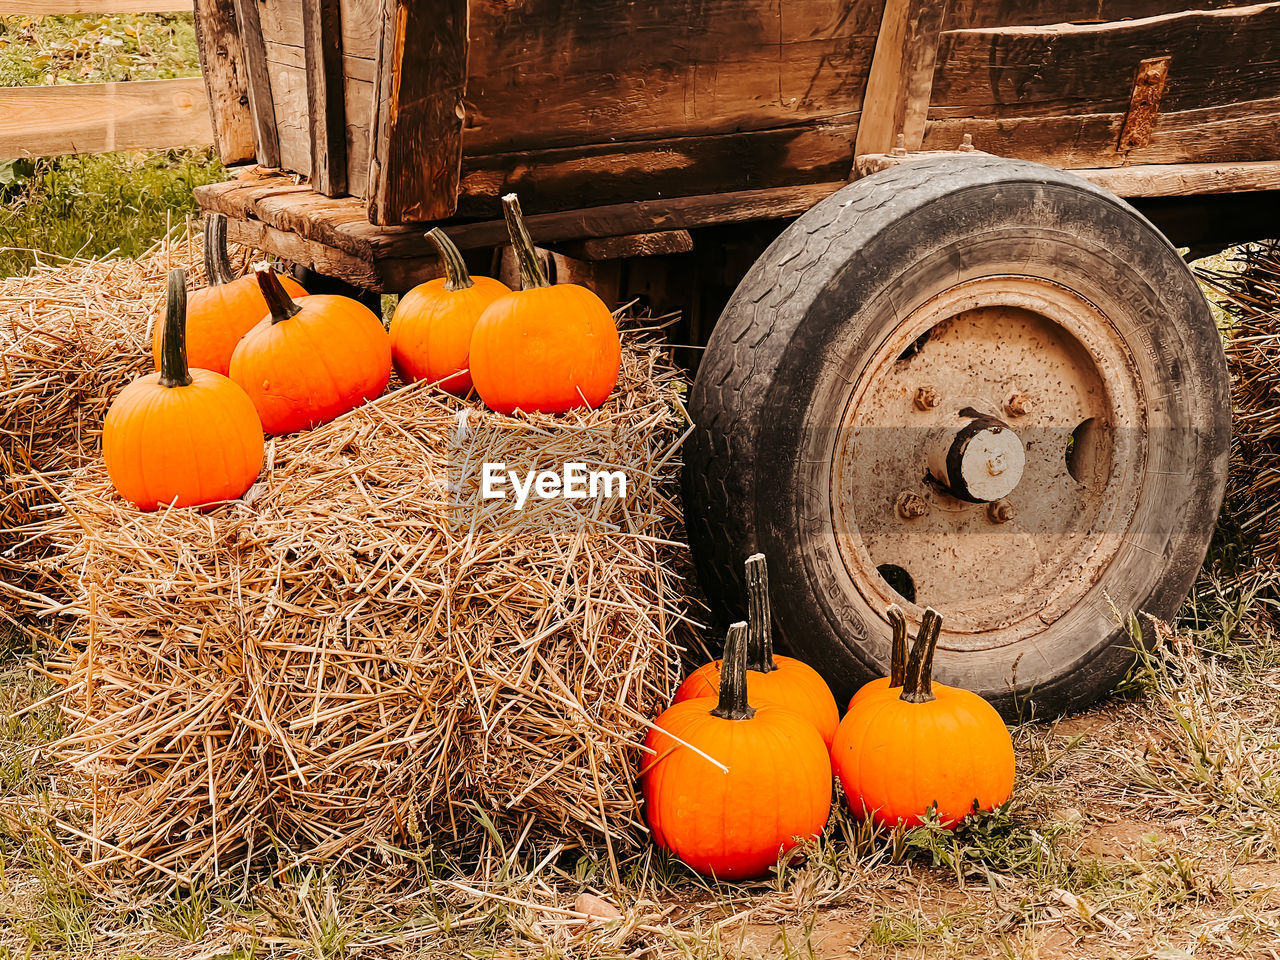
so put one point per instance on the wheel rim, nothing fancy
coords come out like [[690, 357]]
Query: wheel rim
[[1007, 353]]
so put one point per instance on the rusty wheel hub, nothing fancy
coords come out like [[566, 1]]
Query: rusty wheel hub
[[989, 459]]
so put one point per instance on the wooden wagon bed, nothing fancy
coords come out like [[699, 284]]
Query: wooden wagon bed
[[616, 120]]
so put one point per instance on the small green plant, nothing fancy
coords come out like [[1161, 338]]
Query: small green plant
[[93, 206]]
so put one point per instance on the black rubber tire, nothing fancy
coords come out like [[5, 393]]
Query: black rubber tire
[[808, 315]]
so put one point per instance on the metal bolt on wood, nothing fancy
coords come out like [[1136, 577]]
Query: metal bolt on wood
[[912, 506], [927, 397], [1000, 512], [1018, 405]]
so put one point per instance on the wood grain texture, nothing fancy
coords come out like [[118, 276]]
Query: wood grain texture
[[261, 103], [549, 180], [665, 243], [226, 83], [901, 77], [326, 105], [1231, 133], [65, 8], [592, 71], [417, 131], [1076, 69], [965, 14], [1186, 179], [103, 117]]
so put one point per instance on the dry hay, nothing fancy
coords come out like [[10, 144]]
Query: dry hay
[[1249, 292], [71, 335], [362, 654]]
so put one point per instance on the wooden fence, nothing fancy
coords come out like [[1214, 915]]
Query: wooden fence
[[101, 117]]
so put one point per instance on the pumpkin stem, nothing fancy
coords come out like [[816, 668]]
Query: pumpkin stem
[[278, 300], [456, 276], [759, 622], [217, 265], [898, 657], [917, 686], [173, 345], [531, 274], [733, 677]]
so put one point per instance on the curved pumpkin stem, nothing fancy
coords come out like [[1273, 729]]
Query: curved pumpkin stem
[[456, 276], [759, 622], [217, 264], [173, 345], [917, 686], [733, 703], [531, 273], [278, 300], [898, 656]]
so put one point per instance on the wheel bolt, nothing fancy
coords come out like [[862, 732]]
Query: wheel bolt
[[1018, 405], [1000, 512], [912, 506], [927, 397]]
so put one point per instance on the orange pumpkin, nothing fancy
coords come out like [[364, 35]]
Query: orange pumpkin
[[932, 746], [731, 787], [223, 312], [784, 681], [432, 327], [312, 360], [897, 660], [182, 437], [543, 348]]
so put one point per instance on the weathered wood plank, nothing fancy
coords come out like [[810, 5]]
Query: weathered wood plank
[[322, 33], [1186, 179], [66, 8], [102, 117], [965, 14], [417, 130], [226, 85], [901, 77], [662, 244], [591, 70], [261, 102], [308, 253], [1231, 133], [641, 170], [1071, 69]]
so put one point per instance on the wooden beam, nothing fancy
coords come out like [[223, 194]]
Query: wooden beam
[[417, 135], [226, 85], [322, 40], [261, 103], [660, 244], [65, 8], [104, 117], [901, 78], [1185, 179]]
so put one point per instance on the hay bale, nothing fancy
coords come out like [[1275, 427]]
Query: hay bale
[[70, 337], [1249, 293], [365, 652]]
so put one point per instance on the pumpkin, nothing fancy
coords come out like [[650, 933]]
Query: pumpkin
[[897, 660], [312, 360], [732, 787], [930, 747], [181, 436], [785, 681], [223, 312], [432, 326], [543, 348]]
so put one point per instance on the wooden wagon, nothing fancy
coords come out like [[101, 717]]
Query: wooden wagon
[[915, 303]]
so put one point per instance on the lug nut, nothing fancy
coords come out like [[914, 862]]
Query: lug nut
[[1000, 512], [927, 397], [912, 506], [1018, 405]]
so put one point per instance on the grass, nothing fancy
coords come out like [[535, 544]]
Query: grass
[[95, 206]]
